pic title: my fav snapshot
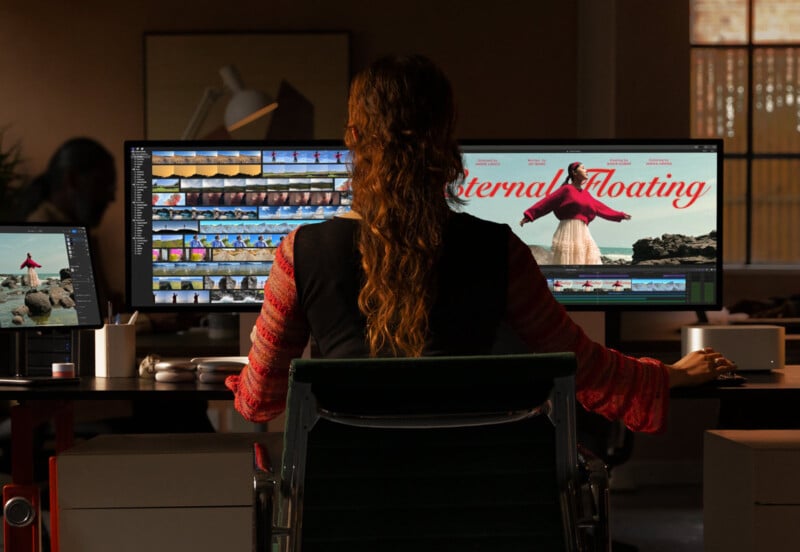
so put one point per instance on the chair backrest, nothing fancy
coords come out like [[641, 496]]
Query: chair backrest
[[434, 453]]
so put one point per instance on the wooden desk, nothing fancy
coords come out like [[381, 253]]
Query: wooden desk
[[775, 385], [768, 400], [39, 404], [91, 388]]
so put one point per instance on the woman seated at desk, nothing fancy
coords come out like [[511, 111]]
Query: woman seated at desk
[[406, 274]]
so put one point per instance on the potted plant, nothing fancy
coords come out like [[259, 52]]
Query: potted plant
[[10, 176]]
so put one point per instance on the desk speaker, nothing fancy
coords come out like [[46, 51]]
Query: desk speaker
[[752, 347], [22, 527]]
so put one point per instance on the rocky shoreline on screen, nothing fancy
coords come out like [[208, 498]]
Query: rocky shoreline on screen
[[52, 293], [676, 249], [669, 249]]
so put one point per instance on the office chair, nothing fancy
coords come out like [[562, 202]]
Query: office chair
[[435, 453]]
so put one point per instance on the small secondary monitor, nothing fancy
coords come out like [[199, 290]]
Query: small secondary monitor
[[204, 218], [642, 232], [46, 278]]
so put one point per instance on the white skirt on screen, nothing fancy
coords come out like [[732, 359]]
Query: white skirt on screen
[[33, 278], [573, 244]]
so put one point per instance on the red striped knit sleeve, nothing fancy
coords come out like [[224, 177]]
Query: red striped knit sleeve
[[607, 382], [281, 335]]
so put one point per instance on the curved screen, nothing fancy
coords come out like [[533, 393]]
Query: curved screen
[[204, 218], [667, 255]]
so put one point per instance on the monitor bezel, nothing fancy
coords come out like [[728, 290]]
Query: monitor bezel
[[570, 145], [188, 144]]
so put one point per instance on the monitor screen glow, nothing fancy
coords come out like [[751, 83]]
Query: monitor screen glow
[[205, 218], [667, 255], [46, 278]]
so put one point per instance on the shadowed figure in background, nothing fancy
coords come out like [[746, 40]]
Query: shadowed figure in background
[[77, 187]]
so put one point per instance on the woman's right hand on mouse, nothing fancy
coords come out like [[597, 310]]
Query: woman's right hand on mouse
[[698, 367]]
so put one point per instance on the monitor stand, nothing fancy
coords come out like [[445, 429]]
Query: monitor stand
[[594, 324], [702, 317], [612, 332]]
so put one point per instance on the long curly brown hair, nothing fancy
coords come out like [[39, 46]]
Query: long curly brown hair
[[406, 166]]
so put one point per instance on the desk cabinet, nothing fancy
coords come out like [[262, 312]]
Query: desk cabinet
[[167, 492], [751, 493]]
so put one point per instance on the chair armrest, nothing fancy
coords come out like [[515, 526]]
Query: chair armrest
[[263, 498], [266, 501], [594, 500]]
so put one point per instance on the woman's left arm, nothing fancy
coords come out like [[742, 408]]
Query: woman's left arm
[[635, 390]]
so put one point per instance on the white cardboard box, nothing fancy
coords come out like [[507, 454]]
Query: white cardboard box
[[751, 492], [169, 492]]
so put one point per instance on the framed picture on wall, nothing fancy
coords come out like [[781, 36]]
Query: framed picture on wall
[[190, 80]]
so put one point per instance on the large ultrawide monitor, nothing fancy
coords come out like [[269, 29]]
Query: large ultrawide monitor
[[666, 256], [204, 218], [46, 278]]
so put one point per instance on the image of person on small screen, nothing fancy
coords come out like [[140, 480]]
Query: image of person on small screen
[[239, 242], [217, 242], [31, 265], [575, 208], [196, 242]]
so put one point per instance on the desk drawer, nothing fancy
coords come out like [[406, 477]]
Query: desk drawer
[[751, 495], [156, 530], [162, 470], [169, 492]]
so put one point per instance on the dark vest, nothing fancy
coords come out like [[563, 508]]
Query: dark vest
[[471, 298]]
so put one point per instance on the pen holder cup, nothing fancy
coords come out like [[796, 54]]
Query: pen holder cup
[[115, 351]]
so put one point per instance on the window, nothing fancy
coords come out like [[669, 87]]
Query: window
[[745, 57]]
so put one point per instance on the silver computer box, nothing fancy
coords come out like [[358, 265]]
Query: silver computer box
[[751, 346]]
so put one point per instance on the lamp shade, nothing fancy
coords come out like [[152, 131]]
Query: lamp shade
[[245, 107]]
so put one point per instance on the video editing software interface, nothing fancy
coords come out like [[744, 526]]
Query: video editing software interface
[[668, 254], [206, 218], [46, 278]]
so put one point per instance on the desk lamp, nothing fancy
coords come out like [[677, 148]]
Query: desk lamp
[[245, 106]]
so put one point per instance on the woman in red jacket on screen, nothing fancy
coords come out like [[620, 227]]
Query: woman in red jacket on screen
[[400, 276], [31, 265], [575, 208]]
